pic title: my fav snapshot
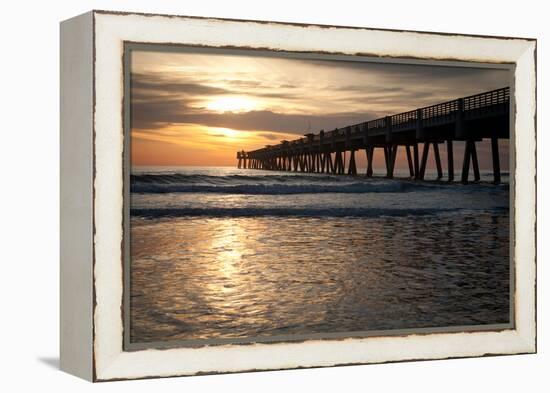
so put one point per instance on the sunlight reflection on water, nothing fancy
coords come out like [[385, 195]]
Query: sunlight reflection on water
[[208, 277]]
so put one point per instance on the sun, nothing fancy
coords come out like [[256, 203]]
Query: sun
[[231, 104]]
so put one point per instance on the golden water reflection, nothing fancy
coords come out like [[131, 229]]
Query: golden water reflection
[[200, 277]]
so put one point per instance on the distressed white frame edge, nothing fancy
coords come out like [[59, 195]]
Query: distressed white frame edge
[[76, 193], [111, 30]]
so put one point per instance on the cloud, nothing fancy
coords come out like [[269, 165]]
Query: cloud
[[329, 94], [148, 84], [158, 113], [158, 101], [271, 137]]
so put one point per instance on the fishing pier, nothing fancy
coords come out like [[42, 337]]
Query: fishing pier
[[467, 119]]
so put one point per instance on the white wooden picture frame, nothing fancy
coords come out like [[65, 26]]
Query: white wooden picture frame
[[92, 194]]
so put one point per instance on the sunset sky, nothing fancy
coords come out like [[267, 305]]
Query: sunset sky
[[200, 108]]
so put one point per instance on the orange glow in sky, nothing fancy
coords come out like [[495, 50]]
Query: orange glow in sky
[[200, 108]]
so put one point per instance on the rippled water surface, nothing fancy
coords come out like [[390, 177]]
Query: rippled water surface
[[236, 254]]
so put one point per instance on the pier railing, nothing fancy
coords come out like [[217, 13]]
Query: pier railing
[[467, 119]]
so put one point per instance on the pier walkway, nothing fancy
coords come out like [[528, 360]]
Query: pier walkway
[[468, 119]]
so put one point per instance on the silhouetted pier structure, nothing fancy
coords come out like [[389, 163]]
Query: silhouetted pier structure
[[469, 119]]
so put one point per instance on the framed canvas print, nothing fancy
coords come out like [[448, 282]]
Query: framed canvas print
[[246, 195]]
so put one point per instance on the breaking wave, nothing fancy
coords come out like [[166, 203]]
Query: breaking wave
[[271, 184]]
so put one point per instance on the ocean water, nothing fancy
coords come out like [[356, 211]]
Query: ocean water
[[226, 253]]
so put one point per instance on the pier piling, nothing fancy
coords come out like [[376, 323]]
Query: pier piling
[[467, 119], [496, 160], [450, 160], [410, 161]]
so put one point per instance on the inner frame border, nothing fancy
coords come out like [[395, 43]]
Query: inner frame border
[[129, 46]]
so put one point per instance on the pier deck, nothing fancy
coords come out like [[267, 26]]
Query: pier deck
[[468, 119]]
